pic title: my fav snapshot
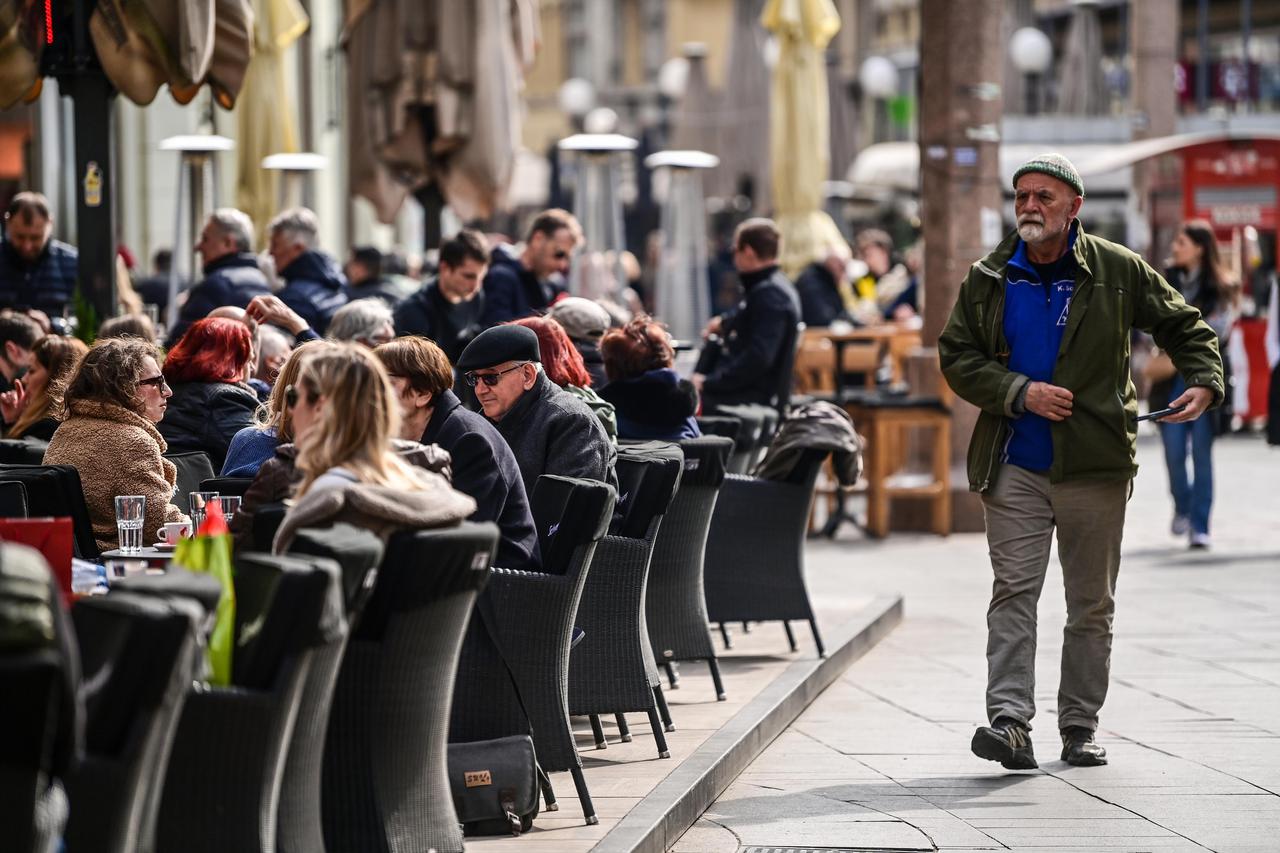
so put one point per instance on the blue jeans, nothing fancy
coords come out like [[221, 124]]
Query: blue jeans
[[1192, 498]]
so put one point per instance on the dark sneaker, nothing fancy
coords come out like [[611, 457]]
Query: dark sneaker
[[1079, 748], [1006, 741]]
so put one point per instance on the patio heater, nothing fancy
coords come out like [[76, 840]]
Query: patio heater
[[682, 295], [294, 169], [196, 171], [598, 273]]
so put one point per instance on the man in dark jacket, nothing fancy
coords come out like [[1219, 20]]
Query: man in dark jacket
[[550, 431], [758, 337], [36, 271], [824, 294], [1038, 339], [314, 286], [231, 272], [521, 285], [447, 308], [367, 278], [483, 465]]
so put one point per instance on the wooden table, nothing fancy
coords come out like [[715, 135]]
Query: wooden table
[[890, 338]]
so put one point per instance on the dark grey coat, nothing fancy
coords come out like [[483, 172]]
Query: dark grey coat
[[553, 432]]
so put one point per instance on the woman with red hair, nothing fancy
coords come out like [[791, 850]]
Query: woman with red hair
[[564, 366], [208, 368], [651, 400]]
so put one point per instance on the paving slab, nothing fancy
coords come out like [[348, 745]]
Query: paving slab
[[1192, 721]]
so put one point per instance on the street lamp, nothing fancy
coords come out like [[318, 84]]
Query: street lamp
[[1032, 54], [576, 96], [878, 77]]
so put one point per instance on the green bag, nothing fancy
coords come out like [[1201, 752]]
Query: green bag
[[210, 551]]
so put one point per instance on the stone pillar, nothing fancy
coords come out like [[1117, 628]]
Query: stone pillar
[[1154, 43], [962, 70]]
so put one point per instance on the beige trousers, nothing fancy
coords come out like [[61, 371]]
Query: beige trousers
[[1022, 512]]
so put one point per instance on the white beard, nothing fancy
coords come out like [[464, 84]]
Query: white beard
[[1031, 232]]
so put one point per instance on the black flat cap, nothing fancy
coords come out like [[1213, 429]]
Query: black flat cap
[[500, 344]]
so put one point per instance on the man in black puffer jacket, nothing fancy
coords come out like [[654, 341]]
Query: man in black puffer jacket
[[314, 284], [231, 272]]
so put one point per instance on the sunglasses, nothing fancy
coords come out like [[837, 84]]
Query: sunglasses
[[559, 254], [491, 379], [155, 381], [290, 396]]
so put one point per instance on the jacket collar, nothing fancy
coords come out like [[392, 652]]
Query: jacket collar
[[1022, 262], [542, 388], [232, 259], [115, 412], [446, 402], [751, 279], [996, 263]]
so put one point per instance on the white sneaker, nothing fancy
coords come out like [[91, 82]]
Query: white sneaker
[[1181, 525], [1199, 541]]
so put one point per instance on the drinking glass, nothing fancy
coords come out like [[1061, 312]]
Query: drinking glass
[[199, 504], [131, 512], [230, 506]]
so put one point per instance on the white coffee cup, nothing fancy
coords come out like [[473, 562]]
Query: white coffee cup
[[173, 531]]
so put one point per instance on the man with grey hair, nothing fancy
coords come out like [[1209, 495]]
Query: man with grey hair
[[231, 272], [1038, 340], [365, 321], [314, 287]]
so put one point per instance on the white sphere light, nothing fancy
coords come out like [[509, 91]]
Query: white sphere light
[[1031, 50], [673, 76], [600, 120], [577, 96], [878, 77]]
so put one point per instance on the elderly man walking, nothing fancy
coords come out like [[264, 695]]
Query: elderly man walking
[[1039, 341]]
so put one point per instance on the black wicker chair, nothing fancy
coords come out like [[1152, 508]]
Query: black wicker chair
[[386, 783], [194, 468], [675, 610], [22, 451], [140, 653], [745, 433], [226, 485], [54, 490], [612, 671], [532, 623], [227, 766], [13, 500], [755, 549], [40, 716]]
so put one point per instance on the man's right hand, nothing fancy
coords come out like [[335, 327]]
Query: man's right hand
[[271, 309], [713, 327], [1048, 401]]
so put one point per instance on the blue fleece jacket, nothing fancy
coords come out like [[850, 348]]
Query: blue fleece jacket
[[1035, 316]]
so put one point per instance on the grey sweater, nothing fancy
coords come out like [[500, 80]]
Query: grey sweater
[[553, 432]]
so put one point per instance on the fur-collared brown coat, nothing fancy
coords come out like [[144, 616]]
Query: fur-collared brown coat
[[117, 452]]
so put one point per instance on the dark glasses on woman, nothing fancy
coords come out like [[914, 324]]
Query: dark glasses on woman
[[154, 381], [290, 396]]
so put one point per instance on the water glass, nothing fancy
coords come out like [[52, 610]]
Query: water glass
[[230, 506], [199, 504], [131, 513]]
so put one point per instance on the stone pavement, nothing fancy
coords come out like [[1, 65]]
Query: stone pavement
[[881, 760]]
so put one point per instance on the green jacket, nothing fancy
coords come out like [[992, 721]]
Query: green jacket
[[1115, 291]]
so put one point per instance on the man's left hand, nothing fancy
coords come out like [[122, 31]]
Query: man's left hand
[[1197, 400], [697, 379]]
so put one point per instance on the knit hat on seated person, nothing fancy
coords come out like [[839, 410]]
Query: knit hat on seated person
[[498, 346], [1055, 166]]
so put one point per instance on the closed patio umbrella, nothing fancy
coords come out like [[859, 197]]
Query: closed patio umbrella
[[799, 128], [1080, 85], [744, 109]]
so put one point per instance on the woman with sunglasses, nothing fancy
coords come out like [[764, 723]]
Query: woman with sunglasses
[[111, 406], [272, 423], [28, 409], [349, 464]]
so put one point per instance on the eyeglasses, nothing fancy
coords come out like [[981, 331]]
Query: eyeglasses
[[491, 379], [559, 254], [156, 381], [290, 396]]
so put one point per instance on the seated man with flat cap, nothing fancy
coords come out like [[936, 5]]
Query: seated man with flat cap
[[550, 431]]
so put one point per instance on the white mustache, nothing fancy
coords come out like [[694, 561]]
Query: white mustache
[[1028, 220]]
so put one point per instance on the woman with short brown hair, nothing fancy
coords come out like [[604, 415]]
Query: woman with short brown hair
[[649, 398]]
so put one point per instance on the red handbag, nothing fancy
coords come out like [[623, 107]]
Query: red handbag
[[52, 537]]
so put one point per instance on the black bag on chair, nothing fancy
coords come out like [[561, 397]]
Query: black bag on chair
[[494, 784]]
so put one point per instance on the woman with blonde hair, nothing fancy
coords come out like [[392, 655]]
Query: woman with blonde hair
[[28, 410], [272, 423], [346, 420]]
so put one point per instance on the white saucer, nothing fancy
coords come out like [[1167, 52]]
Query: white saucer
[[164, 546]]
